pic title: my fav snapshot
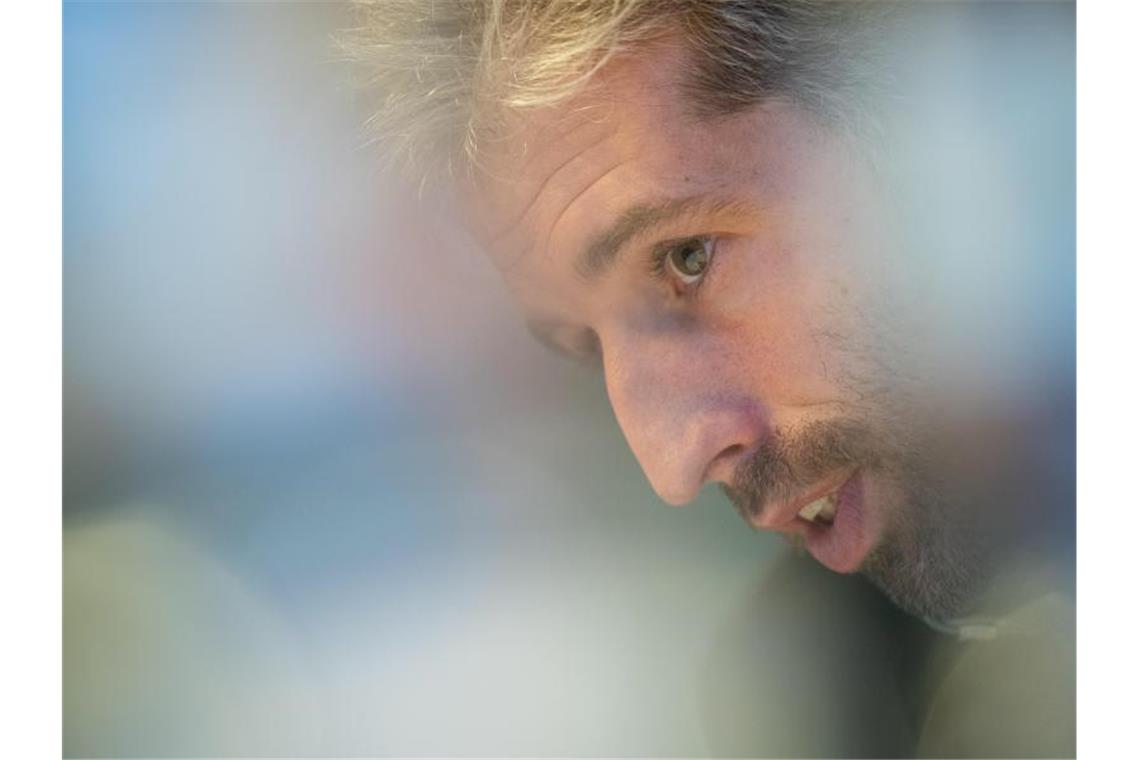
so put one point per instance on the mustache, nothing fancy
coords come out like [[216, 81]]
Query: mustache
[[788, 462]]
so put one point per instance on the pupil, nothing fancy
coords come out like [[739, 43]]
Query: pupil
[[693, 259]]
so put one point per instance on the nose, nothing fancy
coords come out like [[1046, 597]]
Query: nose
[[681, 409]]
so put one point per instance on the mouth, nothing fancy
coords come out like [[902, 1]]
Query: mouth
[[831, 518]]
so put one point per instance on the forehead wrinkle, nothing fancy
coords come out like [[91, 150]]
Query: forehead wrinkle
[[569, 204], [518, 219]]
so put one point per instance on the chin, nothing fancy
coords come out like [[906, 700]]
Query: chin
[[929, 565]]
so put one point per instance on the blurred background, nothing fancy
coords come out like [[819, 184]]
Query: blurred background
[[322, 493], [322, 490]]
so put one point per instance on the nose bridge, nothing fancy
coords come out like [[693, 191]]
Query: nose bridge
[[678, 408]]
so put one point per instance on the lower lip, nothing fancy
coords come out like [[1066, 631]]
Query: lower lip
[[843, 545]]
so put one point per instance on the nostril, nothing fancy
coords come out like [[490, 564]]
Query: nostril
[[731, 452], [723, 465]]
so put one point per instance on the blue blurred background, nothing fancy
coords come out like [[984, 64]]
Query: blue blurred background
[[322, 494], [321, 489]]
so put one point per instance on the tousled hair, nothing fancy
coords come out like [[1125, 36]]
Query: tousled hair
[[439, 75]]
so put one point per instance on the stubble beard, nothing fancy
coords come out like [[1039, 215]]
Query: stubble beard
[[930, 559]]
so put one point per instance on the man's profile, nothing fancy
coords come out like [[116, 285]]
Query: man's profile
[[703, 199]]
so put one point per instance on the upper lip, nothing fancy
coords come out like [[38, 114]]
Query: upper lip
[[780, 515]]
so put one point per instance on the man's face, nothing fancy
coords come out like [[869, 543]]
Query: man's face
[[732, 278]]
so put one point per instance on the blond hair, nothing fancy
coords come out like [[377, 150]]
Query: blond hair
[[441, 73]]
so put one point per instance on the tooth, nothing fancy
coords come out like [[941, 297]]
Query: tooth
[[822, 510], [827, 514], [811, 511]]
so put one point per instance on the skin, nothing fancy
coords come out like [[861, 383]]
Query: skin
[[795, 322]]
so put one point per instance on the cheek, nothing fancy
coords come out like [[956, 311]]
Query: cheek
[[789, 321]]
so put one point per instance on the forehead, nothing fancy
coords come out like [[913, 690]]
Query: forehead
[[555, 176]]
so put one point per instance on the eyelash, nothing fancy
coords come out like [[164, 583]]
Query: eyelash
[[659, 263]]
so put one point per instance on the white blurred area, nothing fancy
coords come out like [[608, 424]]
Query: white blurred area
[[323, 495]]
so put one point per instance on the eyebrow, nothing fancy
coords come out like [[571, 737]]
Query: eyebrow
[[603, 250]]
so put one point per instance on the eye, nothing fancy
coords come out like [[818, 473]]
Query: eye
[[688, 260]]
